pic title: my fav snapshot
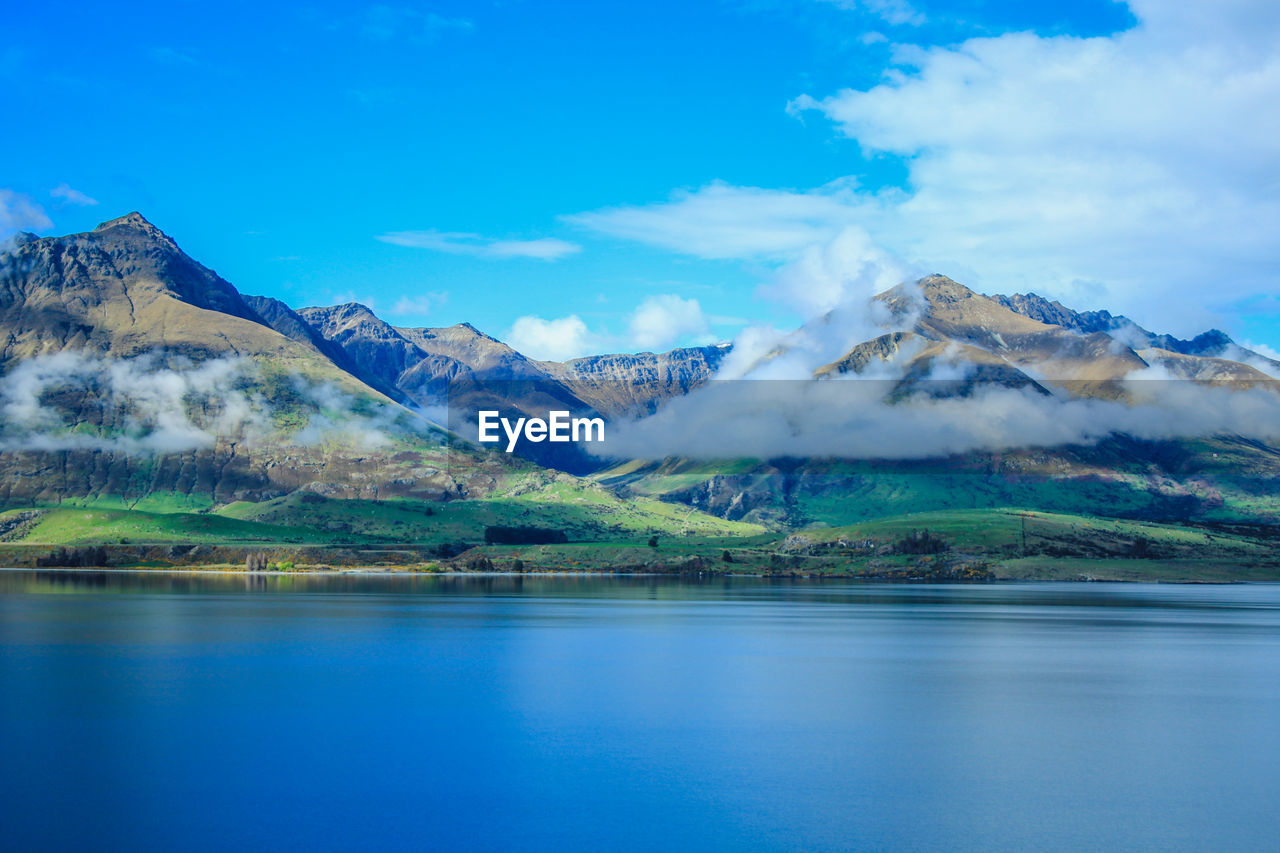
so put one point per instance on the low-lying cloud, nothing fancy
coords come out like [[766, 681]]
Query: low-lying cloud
[[156, 403], [854, 418]]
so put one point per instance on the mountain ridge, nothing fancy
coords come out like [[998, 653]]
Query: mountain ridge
[[124, 297]]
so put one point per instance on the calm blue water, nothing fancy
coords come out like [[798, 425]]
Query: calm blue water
[[163, 712]]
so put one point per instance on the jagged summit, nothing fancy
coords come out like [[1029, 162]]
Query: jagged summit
[[1055, 313], [342, 309], [1213, 343], [940, 282], [133, 218], [133, 225]]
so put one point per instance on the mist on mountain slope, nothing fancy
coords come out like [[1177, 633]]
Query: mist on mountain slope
[[858, 418], [833, 286], [765, 402], [157, 404]]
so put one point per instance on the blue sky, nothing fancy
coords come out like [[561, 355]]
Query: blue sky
[[582, 176]]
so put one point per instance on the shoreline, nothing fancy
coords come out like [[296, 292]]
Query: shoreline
[[398, 572]]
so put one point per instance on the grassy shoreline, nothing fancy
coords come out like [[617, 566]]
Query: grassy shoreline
[[1065, 571], [1008, 543]]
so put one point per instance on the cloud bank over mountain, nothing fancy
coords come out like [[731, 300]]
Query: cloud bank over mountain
[[156, 404], [658, 322], [1135, 170], [851, 419]]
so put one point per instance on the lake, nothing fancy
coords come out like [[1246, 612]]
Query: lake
[[150, 711]]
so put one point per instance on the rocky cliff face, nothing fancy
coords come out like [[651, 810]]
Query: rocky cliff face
[[1212, 343], [629, 384], [373, 346], [1055, 313], [235, 470]]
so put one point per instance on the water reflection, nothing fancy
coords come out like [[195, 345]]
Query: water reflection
[[652, 587], [212, 711]]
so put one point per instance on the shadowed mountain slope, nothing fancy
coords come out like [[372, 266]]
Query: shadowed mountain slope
[[1210, 344]]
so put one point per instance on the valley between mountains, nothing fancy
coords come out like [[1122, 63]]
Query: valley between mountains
[[151, 415]]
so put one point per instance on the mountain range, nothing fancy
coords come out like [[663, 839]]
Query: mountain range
[[138, 382]]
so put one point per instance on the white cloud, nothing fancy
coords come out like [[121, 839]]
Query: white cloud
[[553, 340], [823, 259], [419, 305], [722, 221], [850, 268], [851, 419], [1135, 172], [19, 213], [72, 196], [547, 249], [457, 243], [895, 12], [1263, 350], [660, 321], [157, 403], [153, 403], [1142, 164], [1260, 357]]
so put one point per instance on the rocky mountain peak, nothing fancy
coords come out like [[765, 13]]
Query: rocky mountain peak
[[940, 285], [1056, 314], [463, 334], [1211, 343], [933, 293], [343, 310], [135, 221]]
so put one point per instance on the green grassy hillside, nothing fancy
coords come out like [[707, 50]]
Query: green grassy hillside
[[76, 526], [1209, 480], [1031, 544], [582, 511]]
